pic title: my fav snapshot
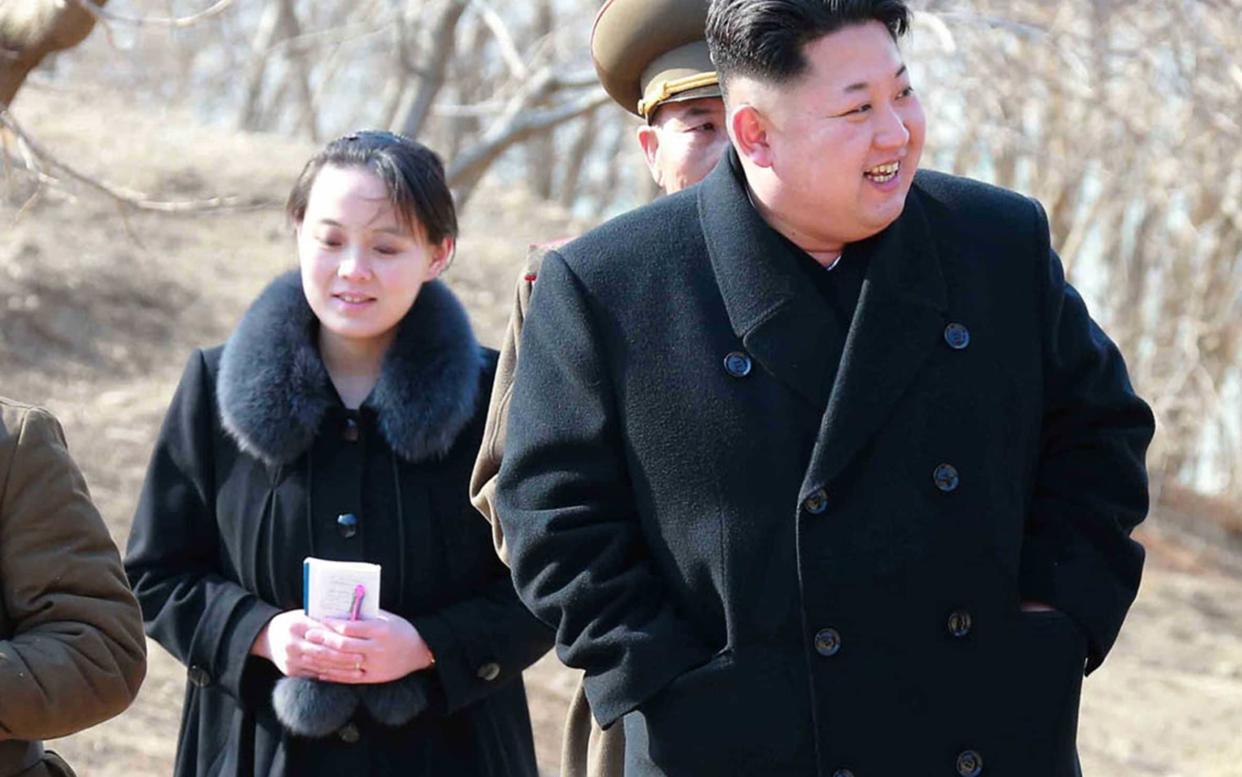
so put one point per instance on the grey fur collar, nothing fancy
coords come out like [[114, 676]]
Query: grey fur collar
[[274, 388]]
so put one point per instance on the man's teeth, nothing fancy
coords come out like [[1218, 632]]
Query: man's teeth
[[883, 173]]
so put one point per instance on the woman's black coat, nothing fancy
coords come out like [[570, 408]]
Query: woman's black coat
[[781, 546], [256, 462]]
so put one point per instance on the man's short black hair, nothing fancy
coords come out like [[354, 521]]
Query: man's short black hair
[[765, 39]]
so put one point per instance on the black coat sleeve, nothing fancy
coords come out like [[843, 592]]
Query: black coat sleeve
[[483, 642], [1091, 482], [189, 606], [567, 508], [487, 639]]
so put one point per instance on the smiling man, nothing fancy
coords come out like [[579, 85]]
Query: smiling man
[[821, 467]]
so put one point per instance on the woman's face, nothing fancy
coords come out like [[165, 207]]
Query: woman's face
[[361, 267]]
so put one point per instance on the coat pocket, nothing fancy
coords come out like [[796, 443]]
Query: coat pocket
[[1037, 724], [737, 713], [680, 726]]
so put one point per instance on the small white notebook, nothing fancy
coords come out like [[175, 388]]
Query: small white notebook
[[328, 588]]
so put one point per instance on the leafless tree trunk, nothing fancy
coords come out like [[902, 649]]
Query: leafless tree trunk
[[541, 150], [575, 162], [278, 23], [437, 43], [607, 190], [264, 40]]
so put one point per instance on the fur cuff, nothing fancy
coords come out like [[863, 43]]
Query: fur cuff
[[315, 709], [311, 708], [395, 703]]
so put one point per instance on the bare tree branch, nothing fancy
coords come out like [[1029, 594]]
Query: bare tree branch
[[478, 110], [576, 162], [466, 170], [104, 17], [504, 40], [540, 150], [264, 42], [438, 42], [307, 115], [121, 194]]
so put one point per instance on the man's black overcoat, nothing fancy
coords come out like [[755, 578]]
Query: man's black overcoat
[[759, 586]]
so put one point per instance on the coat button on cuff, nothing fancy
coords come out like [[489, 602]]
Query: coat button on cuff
[[970, 764], [816, 503], [349, 734], [489, 671], [960, 623], [957, 336], [828, 642], [737, 364], [199, 677], [946, 478], [347, 525]]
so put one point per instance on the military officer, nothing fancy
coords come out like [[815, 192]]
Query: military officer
[[652, 58]]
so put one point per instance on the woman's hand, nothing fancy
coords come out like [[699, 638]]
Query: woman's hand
[[284, 641], [383, 649]]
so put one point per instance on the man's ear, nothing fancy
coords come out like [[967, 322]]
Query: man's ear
[[649, 139], [748, 128]]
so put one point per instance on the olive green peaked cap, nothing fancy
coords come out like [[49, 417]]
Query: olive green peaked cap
[[649, 52]]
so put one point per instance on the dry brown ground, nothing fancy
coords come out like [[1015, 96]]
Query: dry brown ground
[[100, 311]]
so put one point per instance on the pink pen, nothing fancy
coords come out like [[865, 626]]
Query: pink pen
[[355, 608]]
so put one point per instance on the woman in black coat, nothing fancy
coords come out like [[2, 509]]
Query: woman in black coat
[[340, 421]]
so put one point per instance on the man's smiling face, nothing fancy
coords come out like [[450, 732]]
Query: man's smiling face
[[842, 140]]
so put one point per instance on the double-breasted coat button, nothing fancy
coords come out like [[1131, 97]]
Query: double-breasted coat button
[[957, 336], [347, 525], [946, 478], [489, 671], [817, 502], [349, 430], [737, 364], [349, 734], [828, 642], [960, 623], [198, 676], [970, 764]]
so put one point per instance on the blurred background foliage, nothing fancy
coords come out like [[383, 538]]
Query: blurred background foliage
[[1121, 116]]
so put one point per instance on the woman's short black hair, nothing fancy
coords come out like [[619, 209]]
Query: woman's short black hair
[[765, 39], [412, 173]]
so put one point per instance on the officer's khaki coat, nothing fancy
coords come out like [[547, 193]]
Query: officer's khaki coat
[[586, 749]]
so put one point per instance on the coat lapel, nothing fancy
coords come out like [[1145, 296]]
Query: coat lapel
[[782, 320], [898, 325]]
